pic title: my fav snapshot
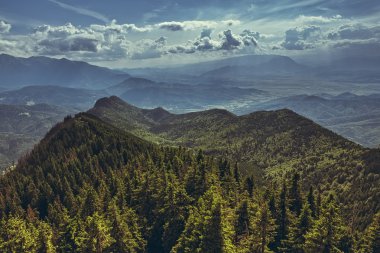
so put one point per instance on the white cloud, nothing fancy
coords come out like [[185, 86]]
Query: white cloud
[[317, 19], [5, 27], [194, 25], [225, 41]]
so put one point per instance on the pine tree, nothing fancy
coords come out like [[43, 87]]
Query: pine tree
[[242, 225], [45, 238], [282, 220], [208, 228], [371, 239], [95, 234], [249, 186], [311, 202], [18, 235], [125, 230], [295, 200], [327, 231], [297, 232], [264, 228]]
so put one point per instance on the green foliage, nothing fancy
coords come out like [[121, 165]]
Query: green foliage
[[89, 187]]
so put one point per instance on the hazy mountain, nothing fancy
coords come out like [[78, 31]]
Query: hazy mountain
[[21, 127], [252, 64], [180, 97], [255, 67], [17, 72], [355, 117], [80, 99]]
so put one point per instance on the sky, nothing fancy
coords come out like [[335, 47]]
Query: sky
[[147, 33]]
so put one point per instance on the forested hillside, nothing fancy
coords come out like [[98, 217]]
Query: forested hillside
[[88, 187], [268, 145]]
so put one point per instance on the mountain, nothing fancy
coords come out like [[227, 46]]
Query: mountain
[[180, 97], [269, 143], [251, 67], [80, 99], [21, 127], [353, 116], [18, 72], [89, 186], [268, 64]]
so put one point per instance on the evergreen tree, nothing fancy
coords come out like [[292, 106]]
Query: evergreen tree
[[311, 202], [18, 235], [242, 225], [282, 220], [95, 234], [265, 229], [327, 231], [125, 230], [371, 239], [249, 186], [297, 232], [295, 200]]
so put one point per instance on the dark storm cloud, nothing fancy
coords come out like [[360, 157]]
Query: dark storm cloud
[[172, 26], [61, 46]]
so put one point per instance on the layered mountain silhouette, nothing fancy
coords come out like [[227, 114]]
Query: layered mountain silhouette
[[17, 72]]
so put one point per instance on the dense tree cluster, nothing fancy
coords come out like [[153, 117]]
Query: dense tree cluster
[[88, 187]]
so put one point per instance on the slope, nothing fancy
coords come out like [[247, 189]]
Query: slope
[[271, 143], [21, 127]]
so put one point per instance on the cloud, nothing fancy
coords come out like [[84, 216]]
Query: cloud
[[226, 41], [355, 32], [73, 44], [172, 26], [206, 33], [194, 25], [301, 38], [5, 27], [82, 11], [146, 49], [317, 19]]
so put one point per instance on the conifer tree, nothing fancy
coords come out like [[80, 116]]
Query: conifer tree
[[295, 200], [264, 228], [95, 234], [371, 239], [297, 232], [311, 202], [327, 231], [282, 220], [125, 230], [18, 235]]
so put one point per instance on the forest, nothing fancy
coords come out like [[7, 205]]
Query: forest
[[91, 187]]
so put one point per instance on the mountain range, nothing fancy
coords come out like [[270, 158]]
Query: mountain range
[[190, 182], [267, 143], [353, 116], [17, 72]]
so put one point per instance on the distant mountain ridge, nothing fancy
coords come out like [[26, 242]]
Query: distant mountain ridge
[[16, 72], [78, 98], [351, 115]]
